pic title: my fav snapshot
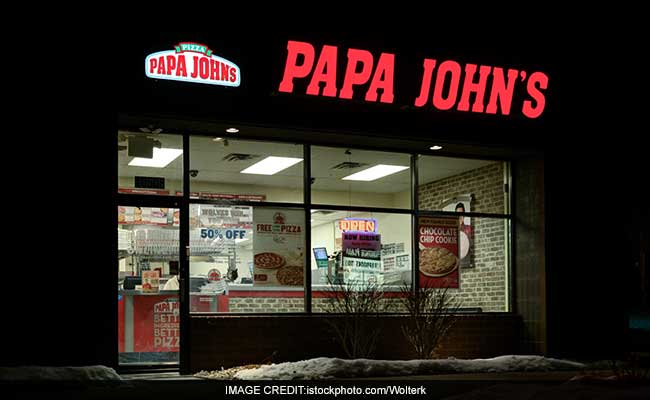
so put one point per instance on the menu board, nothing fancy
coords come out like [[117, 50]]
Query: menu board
[[160, 216], [439, 260], [403, 261], [362, 257], [389, 263], [392, 248], [278, 247]]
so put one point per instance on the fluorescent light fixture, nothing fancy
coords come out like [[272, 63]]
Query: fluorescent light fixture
[[376, 172], [271, 165], [232, 130], [436, 147], [161, 158]]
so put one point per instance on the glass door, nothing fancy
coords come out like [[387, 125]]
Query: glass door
[[150, 181], [148, 288]]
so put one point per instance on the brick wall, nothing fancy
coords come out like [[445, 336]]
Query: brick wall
[[484, 285], [227, 341], [292, 305], [265, 305]]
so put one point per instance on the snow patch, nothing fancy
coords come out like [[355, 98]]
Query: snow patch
[[330, 368], [34, 373]]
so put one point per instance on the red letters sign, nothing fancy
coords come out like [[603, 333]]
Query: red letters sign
[[156, 323], [445, 86], [379, 75]]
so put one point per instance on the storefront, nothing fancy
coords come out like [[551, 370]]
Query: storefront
[[259, 174]]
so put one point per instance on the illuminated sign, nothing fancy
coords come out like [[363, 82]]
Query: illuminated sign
[[192, 62], [359, 71], [445, 85], [358, 225]]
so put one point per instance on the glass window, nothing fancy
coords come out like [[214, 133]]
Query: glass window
[[360, 178], [464, 185], [247, 259], [470, 256], [245, 170], [148, 303], [149, 162], [349, 247]]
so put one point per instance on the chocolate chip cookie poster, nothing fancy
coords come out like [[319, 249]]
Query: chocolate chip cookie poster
[[438, 243], [278, 247]]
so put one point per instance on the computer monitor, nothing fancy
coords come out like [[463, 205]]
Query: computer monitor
[[130, 282], [320, 253]]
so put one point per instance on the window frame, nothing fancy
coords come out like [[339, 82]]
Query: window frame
[[183, 202]]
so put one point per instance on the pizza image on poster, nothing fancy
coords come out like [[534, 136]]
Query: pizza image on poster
[[439, 253], [268, 260], [290, 275]]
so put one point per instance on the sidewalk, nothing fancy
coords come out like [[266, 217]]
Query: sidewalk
[[484, 386]]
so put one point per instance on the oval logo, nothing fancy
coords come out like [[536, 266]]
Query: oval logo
[[192, 62]]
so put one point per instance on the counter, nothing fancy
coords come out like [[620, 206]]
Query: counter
[[149, 322]]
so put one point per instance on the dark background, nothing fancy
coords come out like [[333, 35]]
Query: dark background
[[59, 168]]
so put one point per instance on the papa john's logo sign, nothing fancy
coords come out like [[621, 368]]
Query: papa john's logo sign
[[192, 62]]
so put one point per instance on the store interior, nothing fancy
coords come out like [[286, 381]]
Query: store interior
[[217, 166]]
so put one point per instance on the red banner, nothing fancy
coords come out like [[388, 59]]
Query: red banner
[[156, 321], [439, 261]]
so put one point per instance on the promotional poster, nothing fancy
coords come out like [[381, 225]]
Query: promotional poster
[[278, 247], [439, 261]]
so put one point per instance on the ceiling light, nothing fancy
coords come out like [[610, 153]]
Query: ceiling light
[[436, 147], [271, 165], [232, 130], [217, 139], [376, 172], [161, 158]]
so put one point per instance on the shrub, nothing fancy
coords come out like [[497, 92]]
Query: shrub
[[355, 307], [431, 313]]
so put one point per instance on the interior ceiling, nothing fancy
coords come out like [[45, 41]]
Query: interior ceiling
[[207, 156]]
